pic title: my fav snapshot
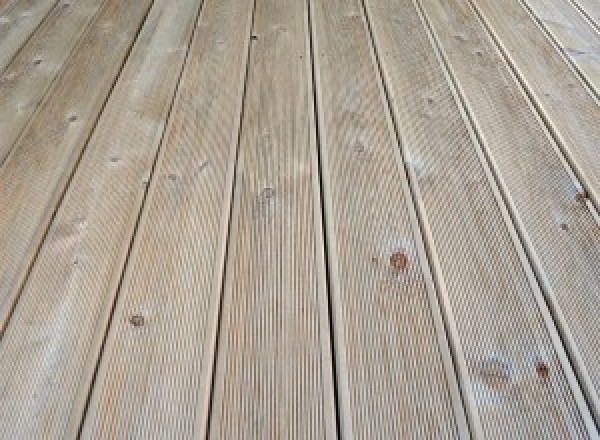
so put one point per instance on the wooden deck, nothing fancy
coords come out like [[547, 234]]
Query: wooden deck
[[299, 219]]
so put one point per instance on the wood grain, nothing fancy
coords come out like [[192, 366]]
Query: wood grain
[[71, 288], [155, 374], [394, 372], [5, 5], [558, 231], [590, 9], [273, 376], [489, 297], [17, 22], [25, 81], [570, 112], [572, 34], [40, 165]]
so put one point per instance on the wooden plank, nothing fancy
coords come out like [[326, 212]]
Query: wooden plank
[[64, 309], [17, 22], [559, 232], [155, 374], [40, 165], [5, 4], [28, 77], [274, 373], [572, 34], [590, 9], [394, 370], [500, 327], [571, 113]]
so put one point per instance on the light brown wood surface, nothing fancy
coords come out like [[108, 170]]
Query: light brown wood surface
[[274, 372], [299, 219], [70, 292], [381, 288], [589, 9], [559, 233], [569, 110], [18, 20], [573, 34], [463, 219], [28, 77], [39, 167], [157, 364]]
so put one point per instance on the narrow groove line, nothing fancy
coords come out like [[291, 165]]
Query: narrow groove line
[[586, 15], [504, 195], [48, 92], [143, 207], [473, 425], [229, 227], [323, 223], [270, 367], [555, 43], [63, 191], [12, 58], [566, 158]]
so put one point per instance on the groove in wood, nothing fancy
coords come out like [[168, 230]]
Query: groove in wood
[[35, 174], [155, 374], [17, 22], [394, 372], [273, 375], [25, 81], [537, 189]]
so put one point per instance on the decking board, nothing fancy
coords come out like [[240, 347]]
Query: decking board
[[573, 34], [570, 111], [70, 291], [35, 174], [273, 375], [155, 375], [17, 22], [299, 219], [590, 9], [499, 333], [558, 231], [27, 78], [394, 372]]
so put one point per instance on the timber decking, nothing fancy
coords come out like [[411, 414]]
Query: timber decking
[[27, 78], [299, 219]]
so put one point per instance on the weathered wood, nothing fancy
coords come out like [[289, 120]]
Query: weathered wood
[[572, 34], [498, 319], [155, 374], [28, 77], [73, 284], [5, 4], [394, 372], [17, 22], [570, 111], [273, 376], [558, 230], [40, 165], [590, 9]]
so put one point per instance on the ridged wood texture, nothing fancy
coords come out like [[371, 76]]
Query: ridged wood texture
[[273, 376], [572, 34], [559, 232], [496, 312], [155, 375], [394, 373], [35, 174], [30, 74], [50, 349], [572, 112], [17, 22]]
